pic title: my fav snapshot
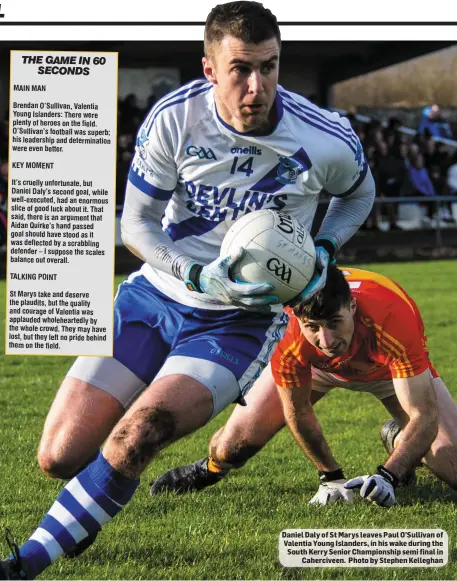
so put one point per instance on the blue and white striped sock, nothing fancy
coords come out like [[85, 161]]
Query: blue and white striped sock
[[89, 500]]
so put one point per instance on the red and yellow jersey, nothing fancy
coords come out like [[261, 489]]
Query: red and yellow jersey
[[388, 340]]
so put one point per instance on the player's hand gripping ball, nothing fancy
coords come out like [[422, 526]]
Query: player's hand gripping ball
[[278, 251], [215, 280]]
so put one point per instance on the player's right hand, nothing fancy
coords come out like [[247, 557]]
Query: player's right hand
[[330, 492], [215, 280]]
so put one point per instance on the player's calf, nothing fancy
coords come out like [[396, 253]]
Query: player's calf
[[442, 461], [227, 455], [56, 467]]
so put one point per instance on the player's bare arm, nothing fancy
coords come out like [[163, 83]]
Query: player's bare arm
[[305, 427], [417, 397]]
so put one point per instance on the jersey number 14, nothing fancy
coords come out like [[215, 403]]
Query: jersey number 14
[[245, 167]]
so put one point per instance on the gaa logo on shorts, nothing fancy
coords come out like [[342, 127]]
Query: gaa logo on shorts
[[200, 152], [278, 268]]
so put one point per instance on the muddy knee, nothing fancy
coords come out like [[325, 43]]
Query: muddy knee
[[232, 455], [138, 438]]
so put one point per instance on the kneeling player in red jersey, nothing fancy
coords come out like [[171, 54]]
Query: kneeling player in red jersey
[[361, 332]]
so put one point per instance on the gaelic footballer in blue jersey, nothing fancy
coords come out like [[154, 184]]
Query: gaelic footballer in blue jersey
[[188, 340]]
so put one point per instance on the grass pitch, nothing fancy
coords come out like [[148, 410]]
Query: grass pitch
[[231, 531]]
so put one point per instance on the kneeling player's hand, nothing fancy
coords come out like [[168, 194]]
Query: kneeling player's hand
[[376, 488], [318, 279], [214, 279], [330, 492]]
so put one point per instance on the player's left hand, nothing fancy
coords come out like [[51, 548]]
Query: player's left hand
[[215, 279], [318, 279], [330, 492], [375, 488]]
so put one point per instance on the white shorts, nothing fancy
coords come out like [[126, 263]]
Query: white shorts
[[325, 382], [113, 377]]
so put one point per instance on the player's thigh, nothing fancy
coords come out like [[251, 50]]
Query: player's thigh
[[79, 420], [316, 396], [395, 409], [322, 383], [447, 410], [216, 357], [97, 390]]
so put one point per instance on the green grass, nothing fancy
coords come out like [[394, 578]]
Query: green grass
[[231, 531]]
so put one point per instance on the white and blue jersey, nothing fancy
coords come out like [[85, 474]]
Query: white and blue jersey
[[209, 174]]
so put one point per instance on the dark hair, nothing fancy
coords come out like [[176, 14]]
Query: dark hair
[[324, 305], [247, 21]]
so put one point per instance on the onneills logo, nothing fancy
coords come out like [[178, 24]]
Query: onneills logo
[[224, 355], [251, 150]]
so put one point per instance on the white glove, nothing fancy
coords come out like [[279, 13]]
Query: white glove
[[330, 492], [318, 279], [215, 280], [375, 488]]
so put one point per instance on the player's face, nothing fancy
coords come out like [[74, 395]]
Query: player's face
[[333, 336], [245, 77]]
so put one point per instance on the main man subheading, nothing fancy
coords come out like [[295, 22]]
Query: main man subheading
[[205, 155], [360, 332]]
